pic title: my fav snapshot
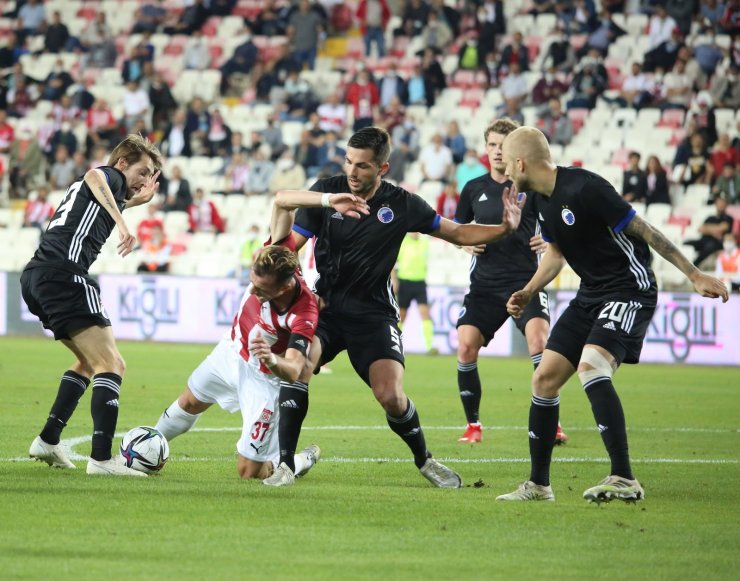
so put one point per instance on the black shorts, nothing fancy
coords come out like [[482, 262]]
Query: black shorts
[[617, 323], [64, 302], [411, 290], [486, 310], [366, 341]]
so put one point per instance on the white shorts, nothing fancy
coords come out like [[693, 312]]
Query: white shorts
[[225, 378]]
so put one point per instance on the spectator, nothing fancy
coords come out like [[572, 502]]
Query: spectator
[[665, 54], [306, 154], [197, 54], [636, 89], [145, 227], [96, 41], [634, 180], [100, 157], [273, 136], [81, 163], [304, 29], [514, 86], [728, 184], [260, 173], [333, 114], [447, 201], [728, 263], [7, 133], [25, 163], [578, 20], [190, 19], [560, 54], [405, 138], [434, 77], [177, 192], [22, 97], [198, 122], [149, 17], [288, 174], [219, 135], [708, 55], [710, 15], [676, 88], [163, 103], [451, 15], [435, 159], [725, 89], [271, 20], [656, 183], [587, 85], [392, 115], [330, 156], [436, 34], [682, 11], [661, 27], [542, 7], [101, 125], [492, 23], [363, 96], [133, 67], [10, 54], [203, 215], [469, 169], [38, 210], [555, 124], [515, 52], [414, 18], [242, 62], [373, 16], [64, 110], [712, 231], [31, 18], [156, 252], [723, 153], [603, 35], [455, 141], [252, 244], [176, 137], [57, 34], [469, 56], [696, 170], [392, 85], [136, 105], [548, 87], [236, 174], [62, 170], [702, 113]]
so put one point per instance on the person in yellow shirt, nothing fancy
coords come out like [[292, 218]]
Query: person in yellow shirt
[[411, 274]]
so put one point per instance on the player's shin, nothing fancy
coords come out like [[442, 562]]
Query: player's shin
[[71, 389], [543, 423], [468, 382], [409, 430], [293, 410], [175, 421], [104, 411], [609, 416]]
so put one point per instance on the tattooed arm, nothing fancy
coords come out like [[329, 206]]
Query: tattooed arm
[[95, 180], [705, 285]]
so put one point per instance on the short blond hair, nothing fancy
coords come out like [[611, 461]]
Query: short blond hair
[[502, 126], [276, 261], [132, 148]]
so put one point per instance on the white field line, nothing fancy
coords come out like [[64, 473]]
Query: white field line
[[69, 443]]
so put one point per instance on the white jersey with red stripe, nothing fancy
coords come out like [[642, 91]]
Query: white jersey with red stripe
[[253, 318]]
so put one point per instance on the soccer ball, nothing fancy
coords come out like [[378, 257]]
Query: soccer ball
[[145, 449]]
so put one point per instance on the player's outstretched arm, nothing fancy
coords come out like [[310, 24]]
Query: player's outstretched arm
[[705, 285], [551, 264], [475, 234], [287, 201], [95, 180]]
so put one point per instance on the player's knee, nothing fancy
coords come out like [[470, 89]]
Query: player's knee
[[467, 353], [537, 345], [594, 365], [250, 470], [545, 383], [393, 401]]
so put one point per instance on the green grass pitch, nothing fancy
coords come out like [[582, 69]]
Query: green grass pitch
[[364, 512]]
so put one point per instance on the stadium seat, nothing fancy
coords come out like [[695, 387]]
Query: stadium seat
[[578, 118], [658, 214], [672, 118]]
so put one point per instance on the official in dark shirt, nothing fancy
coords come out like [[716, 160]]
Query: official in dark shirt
[[354, 260], [57, 289], [497, 270], [587, 223]]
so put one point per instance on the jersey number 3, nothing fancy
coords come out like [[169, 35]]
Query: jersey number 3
[[66, 206]]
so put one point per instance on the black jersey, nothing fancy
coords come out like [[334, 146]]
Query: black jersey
[[586, 218], [354, 258], [80, 226], [510, 259]]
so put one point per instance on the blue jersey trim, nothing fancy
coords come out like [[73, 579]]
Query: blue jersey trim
[[624, 221], [547, 238], [302, 231], [435, 222]]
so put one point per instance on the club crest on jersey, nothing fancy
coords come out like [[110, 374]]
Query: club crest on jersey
[[385, 215], [266, 415], [568, 217], [462, 313]]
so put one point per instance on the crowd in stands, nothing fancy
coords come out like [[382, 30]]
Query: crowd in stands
[[264, 93]]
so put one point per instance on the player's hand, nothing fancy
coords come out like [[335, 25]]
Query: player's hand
[[513, 203], [349, 205], [537, 244], [517, 302], [709, 286], [475, 250], [126, 241], [146, 193], [260, 349]]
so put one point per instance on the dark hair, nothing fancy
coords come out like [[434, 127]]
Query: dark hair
[[374, 138], [502, 126], [276, 261]]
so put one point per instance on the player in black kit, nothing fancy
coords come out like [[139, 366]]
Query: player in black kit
[[587, 223], [58, 290], [497, 270], [354, 259]]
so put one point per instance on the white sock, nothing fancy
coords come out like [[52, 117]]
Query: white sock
[[302, 463], [175, 421]]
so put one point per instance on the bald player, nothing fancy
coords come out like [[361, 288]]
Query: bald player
[[589, 225]]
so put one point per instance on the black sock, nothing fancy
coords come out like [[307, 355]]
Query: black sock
[[71, 388], [409, 429], [543, 423], [104, 411], [536, 359], [609, 416], [468, 382], [293, 410]]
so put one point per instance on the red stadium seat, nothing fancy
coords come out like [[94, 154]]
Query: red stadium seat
[[577, 118], [672, 118]]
